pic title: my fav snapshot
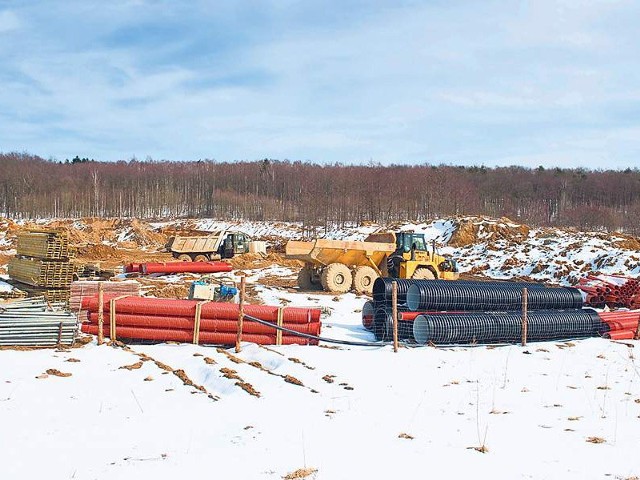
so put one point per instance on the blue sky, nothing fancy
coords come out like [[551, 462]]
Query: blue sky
[[553, 83]]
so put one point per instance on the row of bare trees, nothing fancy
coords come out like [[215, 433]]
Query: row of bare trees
[[31, 187]]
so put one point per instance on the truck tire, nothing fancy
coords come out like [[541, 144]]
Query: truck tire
[[200, 258], [363, 279], [423, 273], [336, 278], [184, 257], [304, 280]]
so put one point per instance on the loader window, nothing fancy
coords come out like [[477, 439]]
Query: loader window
[[418, 242]]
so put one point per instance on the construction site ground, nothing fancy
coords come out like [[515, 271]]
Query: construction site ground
[[548, 410]]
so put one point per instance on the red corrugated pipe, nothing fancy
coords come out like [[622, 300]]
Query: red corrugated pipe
[[172, 335], [212, 310], [206, 325], [185, 267]]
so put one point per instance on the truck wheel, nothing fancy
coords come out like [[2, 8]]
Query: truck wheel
[[200, 258], [423, 273], [184, 257], [304, 280], [363, 279], [336, 278]]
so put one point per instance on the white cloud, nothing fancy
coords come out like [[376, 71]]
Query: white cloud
[[483, 82], [9, 21]]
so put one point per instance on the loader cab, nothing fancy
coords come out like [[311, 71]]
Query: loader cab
[[234, 244], [408, 242]]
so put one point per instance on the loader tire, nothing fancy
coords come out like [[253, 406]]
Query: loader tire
[[423, 273], [363, 279], [304, 280], [200, 258], [336, 278], [184, 258]]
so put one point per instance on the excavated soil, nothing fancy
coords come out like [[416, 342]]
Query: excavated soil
[[471, 230]]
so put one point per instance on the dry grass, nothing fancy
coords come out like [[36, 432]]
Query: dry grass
[[406, 436], [300, 473], [293, 380], [596, 440], [133, 366], [57, 373]]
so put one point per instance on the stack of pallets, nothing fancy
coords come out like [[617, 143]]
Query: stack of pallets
[[42, 264]]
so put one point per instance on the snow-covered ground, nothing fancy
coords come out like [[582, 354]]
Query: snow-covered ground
[[359, 413]]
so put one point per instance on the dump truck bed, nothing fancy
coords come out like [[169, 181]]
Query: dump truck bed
[[209, 243], [324, 252]]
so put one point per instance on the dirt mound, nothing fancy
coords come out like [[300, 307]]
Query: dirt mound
[[255, 260], [474, 230], [143, 234], [627, 243], [98, 252]]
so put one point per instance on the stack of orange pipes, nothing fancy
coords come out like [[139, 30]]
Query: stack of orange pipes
[[163, 319], [622, 325], [611, 290]]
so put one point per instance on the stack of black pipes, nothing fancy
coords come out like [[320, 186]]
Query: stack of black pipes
[[459, 312]]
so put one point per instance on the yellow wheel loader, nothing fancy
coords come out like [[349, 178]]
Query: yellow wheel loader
[[339, 266]]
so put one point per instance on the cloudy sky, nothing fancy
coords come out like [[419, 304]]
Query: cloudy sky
[[540, 82]]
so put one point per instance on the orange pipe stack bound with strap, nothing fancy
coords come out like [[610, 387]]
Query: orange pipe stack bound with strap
[[163, 319], [622, 325]]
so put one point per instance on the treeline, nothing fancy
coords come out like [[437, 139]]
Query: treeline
[[31, 187]]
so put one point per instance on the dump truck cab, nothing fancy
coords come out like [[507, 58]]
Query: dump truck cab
[[234, 244]]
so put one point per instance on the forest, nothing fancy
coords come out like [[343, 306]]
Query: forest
[[315, 194]]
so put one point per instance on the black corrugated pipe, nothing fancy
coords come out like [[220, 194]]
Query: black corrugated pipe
[[383, 325], [382, 287], [368, 315], [451, 295], [505, 327]]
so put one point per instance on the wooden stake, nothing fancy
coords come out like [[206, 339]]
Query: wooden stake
[[112, 317], [280, 322], [240, 314], [112, 320], [196, 323], [525, 320], [100, 313], [394, 313]]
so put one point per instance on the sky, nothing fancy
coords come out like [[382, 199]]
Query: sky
[[543, 82]]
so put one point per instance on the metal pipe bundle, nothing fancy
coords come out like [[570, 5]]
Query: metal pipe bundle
[[32, 322], [499, 327], [450, 295]]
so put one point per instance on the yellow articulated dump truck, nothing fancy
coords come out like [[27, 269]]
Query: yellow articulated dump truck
[[339, 266]]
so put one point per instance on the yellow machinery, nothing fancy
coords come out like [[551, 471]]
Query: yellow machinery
[[338, 266]]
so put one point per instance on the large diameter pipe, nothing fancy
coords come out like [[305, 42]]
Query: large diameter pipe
[[368, 315], [505, 327], [186, 267], [442, 295], [382, 286], [211, 310], [206, 325], [172, 335]]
